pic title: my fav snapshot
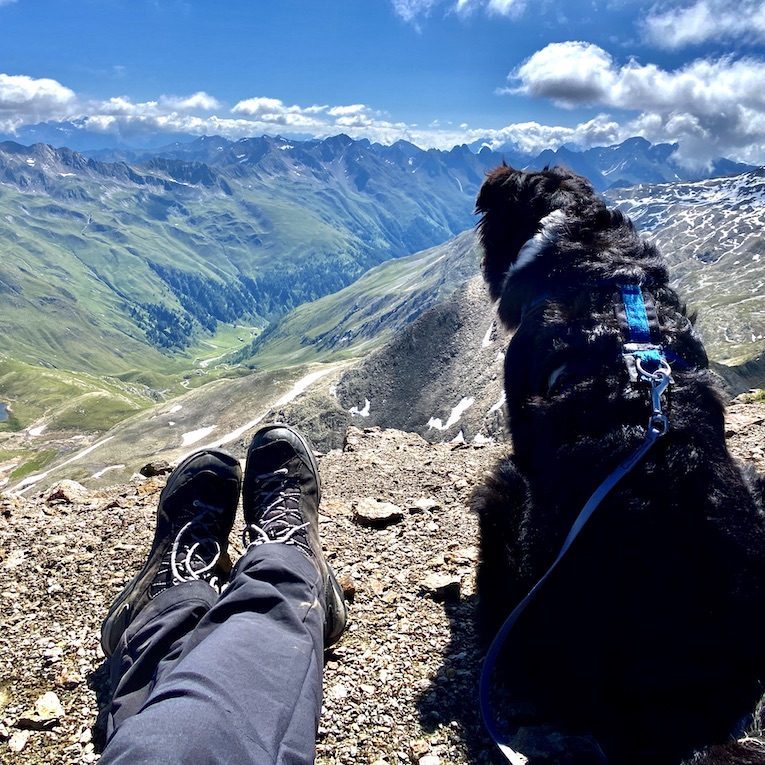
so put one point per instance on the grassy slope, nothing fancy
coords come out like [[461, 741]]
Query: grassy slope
[[81, 265], [85, 264], [365, 314]]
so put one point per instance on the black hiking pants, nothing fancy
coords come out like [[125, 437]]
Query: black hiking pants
[[235, 679]]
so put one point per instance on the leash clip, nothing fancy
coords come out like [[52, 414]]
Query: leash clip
[[659, 379]]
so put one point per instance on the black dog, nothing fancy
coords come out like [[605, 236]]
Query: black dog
[[649, 639]]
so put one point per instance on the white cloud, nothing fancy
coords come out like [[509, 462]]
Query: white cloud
[[569, 73], [506, 7], [273, 111], [712, 107], [412, 10], [122, 106], [316, 119], [345, 111], [199, 100], [533, 137], [742, 21], [25, 99]]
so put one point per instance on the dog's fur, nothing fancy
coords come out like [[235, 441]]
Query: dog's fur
[[650, 636]]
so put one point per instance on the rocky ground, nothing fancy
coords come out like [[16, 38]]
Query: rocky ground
[[400, 686]]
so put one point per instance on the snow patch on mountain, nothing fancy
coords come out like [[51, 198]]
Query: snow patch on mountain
[[193, 436], [454, 416], [364, 411]]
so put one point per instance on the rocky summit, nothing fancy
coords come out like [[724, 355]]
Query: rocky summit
[[400, 686]]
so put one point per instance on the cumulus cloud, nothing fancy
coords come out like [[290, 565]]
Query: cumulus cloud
[[316, 119], [25, 99], [711, 106], [570, 73], [197, 101], [533, 137], [705, 20]]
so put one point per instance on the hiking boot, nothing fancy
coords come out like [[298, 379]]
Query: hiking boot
[[281, 495], [195, 514]]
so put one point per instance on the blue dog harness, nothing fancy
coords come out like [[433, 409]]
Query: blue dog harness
[[647, 364]]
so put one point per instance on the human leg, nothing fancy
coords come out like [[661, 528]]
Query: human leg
[[150, 619], [246, 684]]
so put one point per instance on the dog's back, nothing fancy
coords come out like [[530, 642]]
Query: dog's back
[[648, 634]]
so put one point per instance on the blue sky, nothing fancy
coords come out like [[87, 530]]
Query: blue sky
[[436, 72]]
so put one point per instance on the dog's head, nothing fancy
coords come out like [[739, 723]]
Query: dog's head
[[517, 205]]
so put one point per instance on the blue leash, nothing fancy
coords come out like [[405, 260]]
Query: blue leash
[[637, 351]]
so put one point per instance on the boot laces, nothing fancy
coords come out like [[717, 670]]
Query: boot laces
[[195, 551], [281, 520]]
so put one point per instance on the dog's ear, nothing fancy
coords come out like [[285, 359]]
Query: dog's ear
[[512, 208], [513, 203]]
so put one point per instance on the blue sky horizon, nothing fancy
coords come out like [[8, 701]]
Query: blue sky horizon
[[435, 72]]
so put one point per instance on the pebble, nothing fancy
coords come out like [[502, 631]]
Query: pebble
[[155, 468], [348, 585], [419, 749], [47, 713], [338, 691], [424, 505], [18, 740], [442, 586], [462, 555], [376, 514]]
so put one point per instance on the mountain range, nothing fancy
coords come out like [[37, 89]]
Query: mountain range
[[148, 255], [130, 275], [712, 232]]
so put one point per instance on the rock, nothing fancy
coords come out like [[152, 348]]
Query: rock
[[68, 493], [376, 514], [338, 691], [352, 439], [348, 586], [429, 759], [419, 749], [462, 555], [68, 679], [442, 586], [424, 505], [112, 503], [49, 706], [5, 695], [14, 559], [18, 740], [148, 487], [47, 714], [155, 468]]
